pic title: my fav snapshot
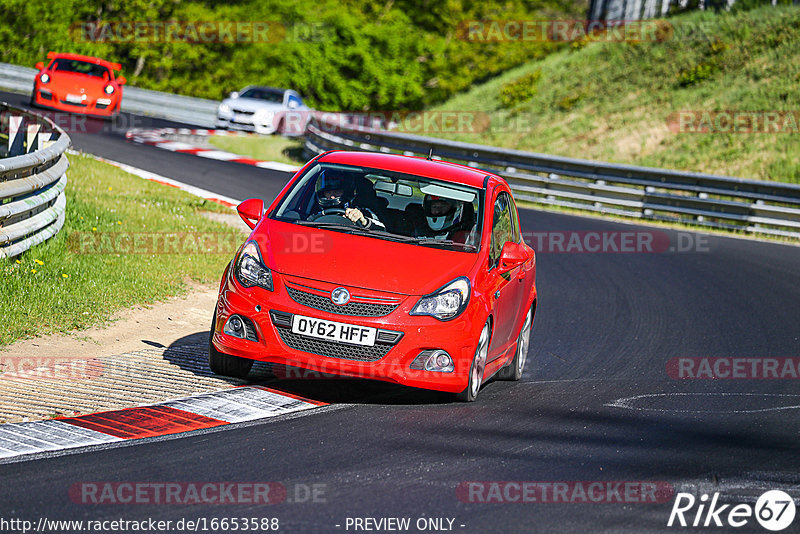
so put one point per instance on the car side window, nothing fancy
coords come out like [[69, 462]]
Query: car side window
[[294, 101], [502, 227]]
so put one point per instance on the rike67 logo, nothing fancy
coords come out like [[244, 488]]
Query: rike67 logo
[[774, 510]]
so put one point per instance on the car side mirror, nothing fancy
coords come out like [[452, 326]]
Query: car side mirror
[[512, 256], [122, 80], [234, 94], [40, 66], [293, 104], [251, 211]]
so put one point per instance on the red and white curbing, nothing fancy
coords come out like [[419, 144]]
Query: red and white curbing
[[156, 138], [208, 410]]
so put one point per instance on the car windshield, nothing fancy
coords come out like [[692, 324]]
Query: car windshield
[[80, 67], [396, 206], [262, 93]]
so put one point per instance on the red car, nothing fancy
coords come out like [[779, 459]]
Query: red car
[[381, 266], [78, 84]]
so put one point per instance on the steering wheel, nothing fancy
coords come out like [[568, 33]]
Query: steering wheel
[[335, 215], [334, 211]]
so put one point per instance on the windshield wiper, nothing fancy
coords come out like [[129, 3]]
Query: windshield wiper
[[446, 242], [325, 225]]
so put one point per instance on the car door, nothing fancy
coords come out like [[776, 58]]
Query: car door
[[506, 290]]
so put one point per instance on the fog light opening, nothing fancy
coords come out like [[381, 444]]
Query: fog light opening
[[436, 360], [241, 327]]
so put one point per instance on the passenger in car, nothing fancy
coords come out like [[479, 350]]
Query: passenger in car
[[441, 218]]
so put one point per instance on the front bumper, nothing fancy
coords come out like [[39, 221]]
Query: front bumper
[[245, 124], [388, 360], [49, 98]]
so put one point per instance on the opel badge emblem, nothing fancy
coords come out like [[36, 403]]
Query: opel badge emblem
[[340, 296]]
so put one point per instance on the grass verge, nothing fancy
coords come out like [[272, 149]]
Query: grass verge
[[264, 147], [87, 272]]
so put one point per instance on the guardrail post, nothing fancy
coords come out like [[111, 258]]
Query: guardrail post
[[32, 137], [16, 142]]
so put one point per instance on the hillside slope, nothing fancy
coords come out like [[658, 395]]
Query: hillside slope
[[618, 101]]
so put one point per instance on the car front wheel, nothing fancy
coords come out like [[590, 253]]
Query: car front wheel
[[225, 364], [470, 393]]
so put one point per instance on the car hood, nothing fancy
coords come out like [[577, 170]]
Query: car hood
[[359, 261], [252, 104], [73, 83]]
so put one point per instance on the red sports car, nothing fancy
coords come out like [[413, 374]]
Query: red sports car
[[78, 84], [381, 266]]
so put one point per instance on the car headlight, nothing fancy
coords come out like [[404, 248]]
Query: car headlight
[[447, 303], [224, 108], [250, 269], [108, 89], [44, 77]]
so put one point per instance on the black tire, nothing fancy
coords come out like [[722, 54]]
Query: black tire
[[225, 364], [514, 369], [478, 367]]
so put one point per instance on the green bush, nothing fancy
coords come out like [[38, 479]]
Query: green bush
[[520, 90]]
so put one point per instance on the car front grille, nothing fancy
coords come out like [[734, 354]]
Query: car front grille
[[77, 105], [384, 341], [354, 308], [243, 112], [331, 349]]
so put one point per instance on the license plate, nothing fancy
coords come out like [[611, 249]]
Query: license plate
[[244, 119], [333, 331], [74, 99]]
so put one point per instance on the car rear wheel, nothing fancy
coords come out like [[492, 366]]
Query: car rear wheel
[[225, 364], [513, 371], [470, 393]]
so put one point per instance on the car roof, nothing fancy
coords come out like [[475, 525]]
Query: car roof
[[88, 59], [438, 169]]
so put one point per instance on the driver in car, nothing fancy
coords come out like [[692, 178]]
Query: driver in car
[[336, 194]]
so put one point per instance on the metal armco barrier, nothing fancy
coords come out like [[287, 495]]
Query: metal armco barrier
[[721, 202], [32, 179]]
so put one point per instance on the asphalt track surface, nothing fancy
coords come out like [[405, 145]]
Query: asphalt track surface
[[606, 326]]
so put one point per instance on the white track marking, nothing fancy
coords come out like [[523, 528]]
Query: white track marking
[[627, 402]]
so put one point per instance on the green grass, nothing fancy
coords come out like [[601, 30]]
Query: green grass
[[55, 288], [265, 147], [612, 101]]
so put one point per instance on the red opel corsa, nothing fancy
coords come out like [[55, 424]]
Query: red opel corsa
[[78, 84], [381, 266]]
